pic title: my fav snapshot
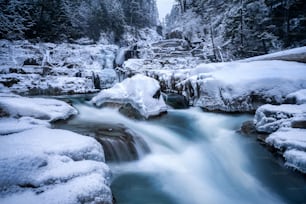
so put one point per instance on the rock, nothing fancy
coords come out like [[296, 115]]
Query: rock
[[176, 101], [299, 123], [129, 111], [259, 83], [174, 34], [298, 97], [120, 144], [31, 61], [44, 165], [9, 82], [248, 128], [269, 118]]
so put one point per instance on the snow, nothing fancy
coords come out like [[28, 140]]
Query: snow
[[288, 138], [296, 54], [244, 86], [293, 142], [279, 121], [47, 68], [299, 97], [12, 125], [39, 108], [143, 37], [230, 86], [43, 165], [269, 118], [138, 91], [296, 159], [85, 189]]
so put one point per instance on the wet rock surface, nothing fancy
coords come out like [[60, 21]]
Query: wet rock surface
[[120, 143]]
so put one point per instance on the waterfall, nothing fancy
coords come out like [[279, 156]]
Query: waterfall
[[46, 58], [122, 149], [187, 156]]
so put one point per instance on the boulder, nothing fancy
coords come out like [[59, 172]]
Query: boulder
[[269, 118], [44, 165], [140, 92]]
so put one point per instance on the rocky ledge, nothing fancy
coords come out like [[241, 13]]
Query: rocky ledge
[[286, 125], [43, 165]]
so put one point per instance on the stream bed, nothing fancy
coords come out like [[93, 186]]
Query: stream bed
[[188, 157]]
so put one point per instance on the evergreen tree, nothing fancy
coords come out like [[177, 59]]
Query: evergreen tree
[[58, 20]]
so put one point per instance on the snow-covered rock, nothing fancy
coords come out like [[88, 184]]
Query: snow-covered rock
[[285, 123], [269, 118], [291, 141], [47, 68], [141, 92], [244, 86], [238, 86], [13, 125], [298, 97], [44, 165], [39, 108], [296, 54], [296, 159], [288, 138]]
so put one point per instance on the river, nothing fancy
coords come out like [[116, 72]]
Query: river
[[195, 157]]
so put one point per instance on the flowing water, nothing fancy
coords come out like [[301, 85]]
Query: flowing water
[[192, 157]]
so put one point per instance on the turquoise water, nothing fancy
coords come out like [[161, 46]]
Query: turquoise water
[[196, 158]]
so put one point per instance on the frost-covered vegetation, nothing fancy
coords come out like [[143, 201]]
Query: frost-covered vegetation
[[65, 20], [240, 28]]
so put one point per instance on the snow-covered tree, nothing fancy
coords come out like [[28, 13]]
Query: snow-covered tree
[[58, 20], [15, 18], [240, 28]]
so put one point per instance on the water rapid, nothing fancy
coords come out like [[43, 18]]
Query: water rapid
[[193, 157]]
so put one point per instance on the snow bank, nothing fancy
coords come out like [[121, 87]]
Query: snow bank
[[296, 159], [12, 125], [42, 165], [292, 141], [244, 86], [285, 123], [288, 138], [39, 108], [141, 92], [296, 54], [269, 118]]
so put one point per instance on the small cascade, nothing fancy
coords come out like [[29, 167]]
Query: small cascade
[[123, 148], [121, 144]]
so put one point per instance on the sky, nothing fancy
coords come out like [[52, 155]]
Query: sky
[[164, 7]]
